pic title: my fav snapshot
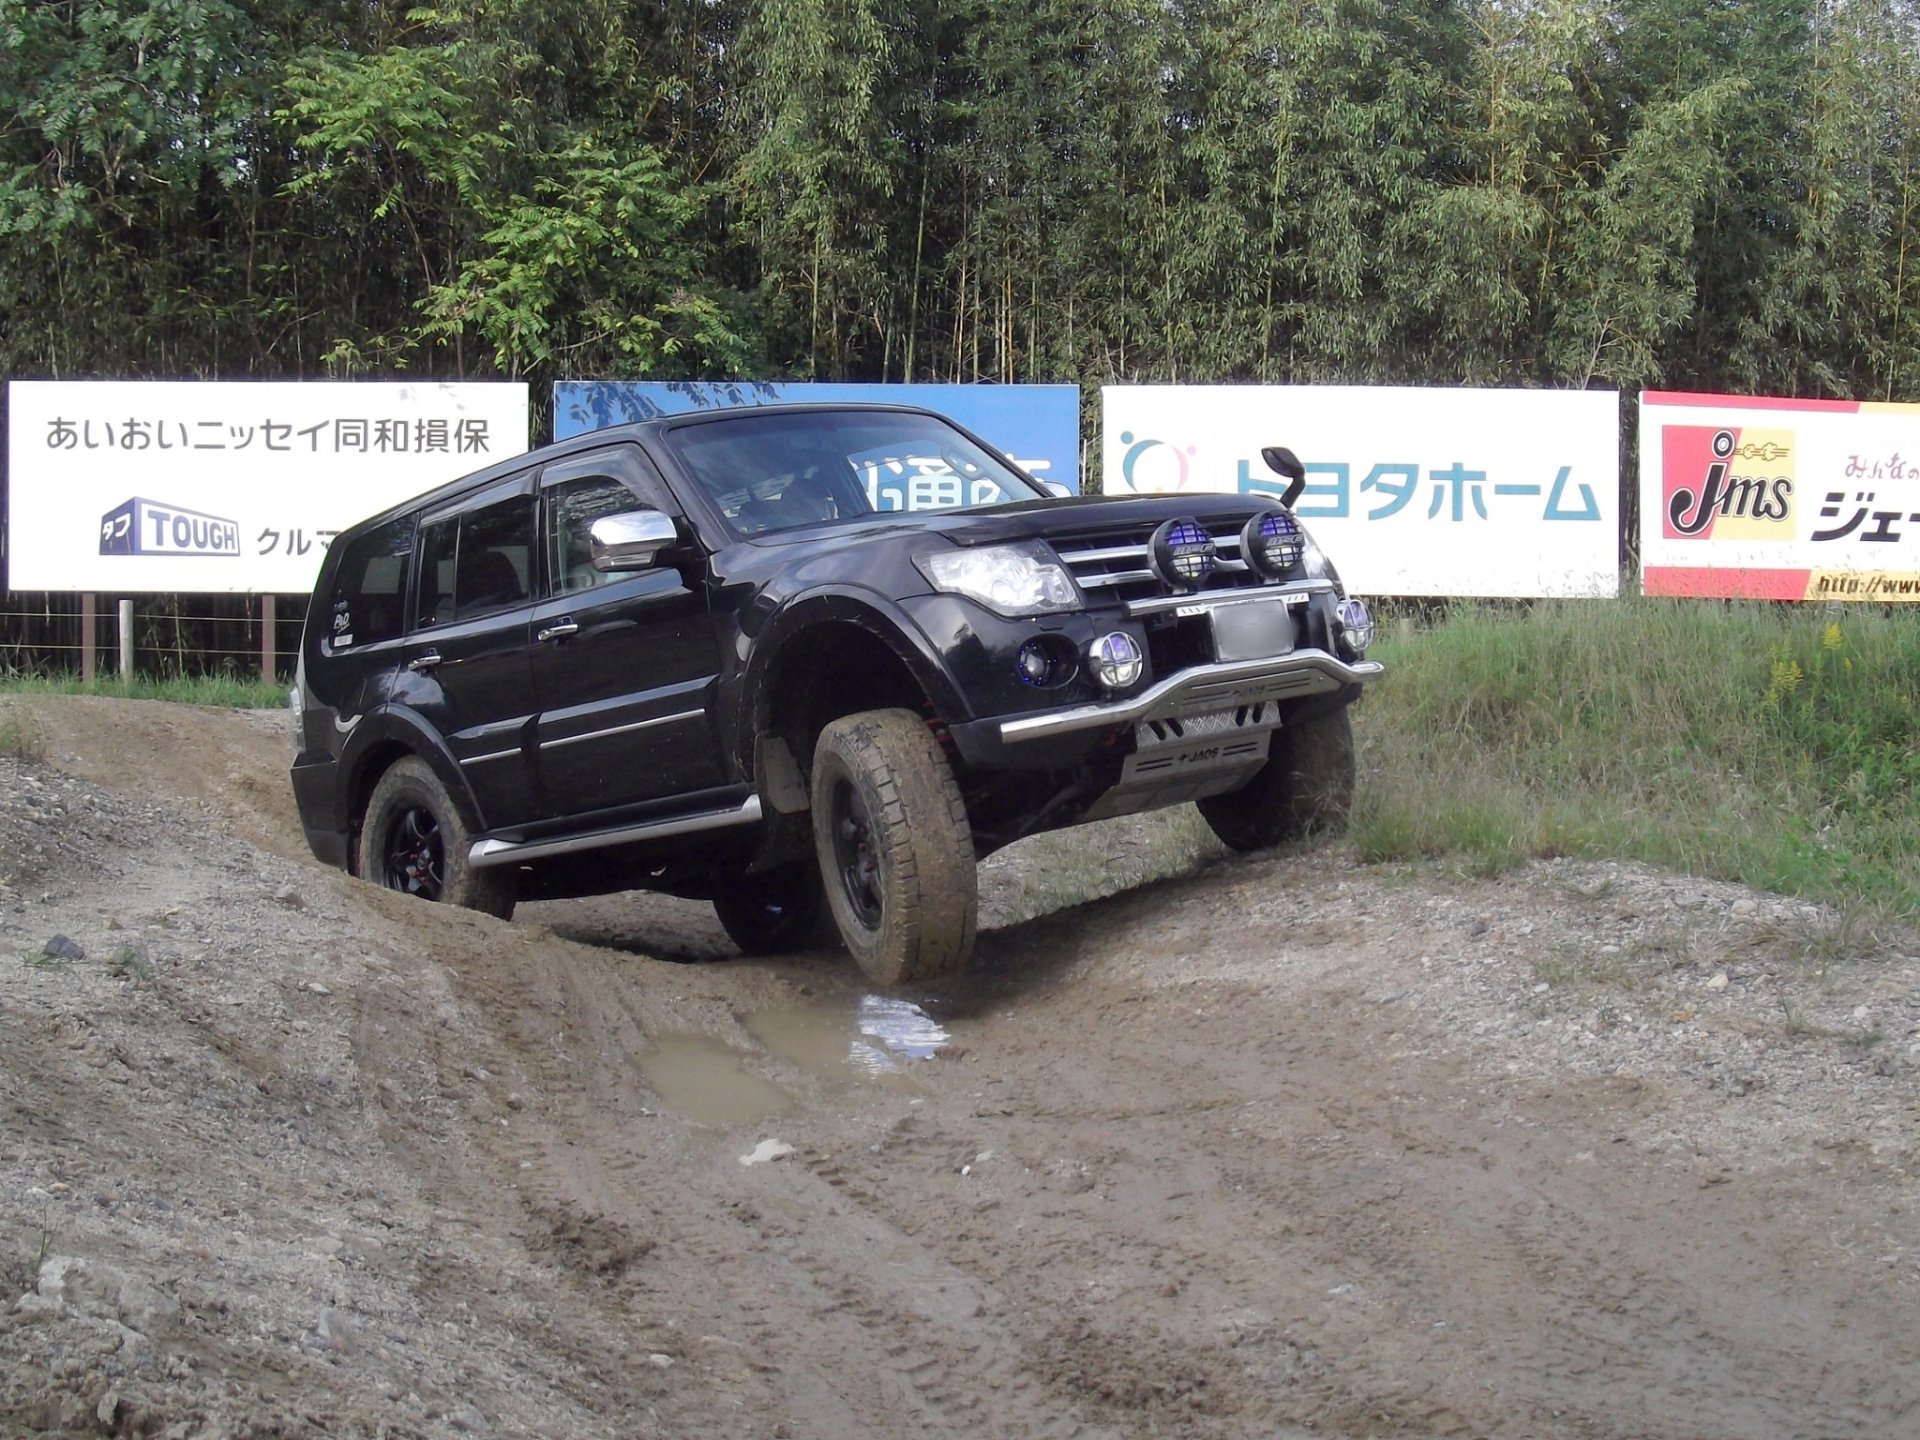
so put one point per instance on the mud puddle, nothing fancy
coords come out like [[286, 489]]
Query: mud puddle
[[852, 1039], [874, 1036], [708, 1082]]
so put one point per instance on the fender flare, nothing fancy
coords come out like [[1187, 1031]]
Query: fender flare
[[870, 611], [389, 725]]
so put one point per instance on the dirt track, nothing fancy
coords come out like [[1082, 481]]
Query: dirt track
[[1276, 1148]]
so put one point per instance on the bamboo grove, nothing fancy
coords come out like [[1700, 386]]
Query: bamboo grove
[[1688, 194], [1684, 193]]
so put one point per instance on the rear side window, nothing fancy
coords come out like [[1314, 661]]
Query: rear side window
[[477, 562], [369, 587]]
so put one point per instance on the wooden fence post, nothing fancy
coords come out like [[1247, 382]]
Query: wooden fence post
[[89, 618]]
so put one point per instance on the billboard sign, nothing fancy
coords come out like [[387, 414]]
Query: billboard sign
[[206, 487], [1036, 426], [1413, 491], [1779, 499]]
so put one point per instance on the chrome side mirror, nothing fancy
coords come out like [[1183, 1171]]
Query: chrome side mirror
[[631, 540]]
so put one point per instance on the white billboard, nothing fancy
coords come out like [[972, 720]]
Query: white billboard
[[205, 487], [1779, 499], [1410, 491]]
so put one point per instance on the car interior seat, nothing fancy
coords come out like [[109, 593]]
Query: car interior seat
[[488, 583]]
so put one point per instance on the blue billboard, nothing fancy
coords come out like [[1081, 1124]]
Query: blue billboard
[[1035, 426]]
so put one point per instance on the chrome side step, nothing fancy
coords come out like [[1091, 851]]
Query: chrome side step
[[512, 852]]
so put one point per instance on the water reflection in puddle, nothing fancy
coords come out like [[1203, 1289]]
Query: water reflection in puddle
[[869, 1037], [873, 1035]]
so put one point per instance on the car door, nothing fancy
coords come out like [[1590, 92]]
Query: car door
[[465, 669], [624, 664]]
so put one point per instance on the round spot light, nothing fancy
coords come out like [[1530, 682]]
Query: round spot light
[[1116, 659], [1356, 625], [1183, 554], [1273, 543]]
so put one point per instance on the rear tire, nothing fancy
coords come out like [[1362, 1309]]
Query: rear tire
[[895, 849], [774, 912], [413, 840], [1305, 786]]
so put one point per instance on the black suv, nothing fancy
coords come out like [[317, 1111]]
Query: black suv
[[730, 653]]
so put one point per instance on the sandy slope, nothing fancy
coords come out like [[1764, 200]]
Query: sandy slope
[[1281, 1147]]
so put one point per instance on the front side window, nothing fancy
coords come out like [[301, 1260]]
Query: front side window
[[774, 472], [572, 507]]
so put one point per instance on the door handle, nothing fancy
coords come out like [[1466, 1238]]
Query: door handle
[[421, 663], [559, 630]]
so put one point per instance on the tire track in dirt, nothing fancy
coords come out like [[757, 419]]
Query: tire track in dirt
[[625, 1189]]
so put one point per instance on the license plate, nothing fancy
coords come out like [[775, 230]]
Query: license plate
[[1251, 630]]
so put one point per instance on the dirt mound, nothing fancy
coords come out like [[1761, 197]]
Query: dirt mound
[[1274, 1147]]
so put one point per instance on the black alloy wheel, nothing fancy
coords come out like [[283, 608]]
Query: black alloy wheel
[[413, 840]]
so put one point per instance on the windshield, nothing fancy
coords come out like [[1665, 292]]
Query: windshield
[[771, 472]]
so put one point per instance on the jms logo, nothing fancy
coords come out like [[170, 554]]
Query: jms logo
[[1727, 484]]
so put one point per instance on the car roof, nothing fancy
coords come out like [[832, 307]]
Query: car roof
[[631, 432]]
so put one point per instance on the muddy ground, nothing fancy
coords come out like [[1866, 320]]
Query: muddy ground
[[1276, 1147]]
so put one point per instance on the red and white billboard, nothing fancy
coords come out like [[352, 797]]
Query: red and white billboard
[[1745, 498]]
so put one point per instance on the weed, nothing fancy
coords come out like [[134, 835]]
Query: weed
[[229, 692], [129, 964], [1794, 1014], [1818, 943], [21, 737], [1762, 744], [20, 1272]]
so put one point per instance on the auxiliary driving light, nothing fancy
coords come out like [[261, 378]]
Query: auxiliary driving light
[[1273, 543], [1182, 554], [1116, 659], [1356, 625]]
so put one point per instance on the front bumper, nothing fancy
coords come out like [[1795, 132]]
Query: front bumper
[[1199, 690]]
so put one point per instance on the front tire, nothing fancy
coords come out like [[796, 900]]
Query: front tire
[[413, 840], [773, 912], [1305, 786], [895, 848]]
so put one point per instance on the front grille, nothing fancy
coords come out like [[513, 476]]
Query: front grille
[[1112, 562]]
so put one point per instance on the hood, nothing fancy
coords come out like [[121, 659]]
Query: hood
[[1078, 516]]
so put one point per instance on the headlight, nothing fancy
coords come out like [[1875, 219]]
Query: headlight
[[1317, 566], [1012, 579]]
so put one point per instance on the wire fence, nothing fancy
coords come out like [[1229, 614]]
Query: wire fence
[[166, 636]]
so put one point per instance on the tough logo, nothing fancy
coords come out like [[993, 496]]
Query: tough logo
[[147, 527]]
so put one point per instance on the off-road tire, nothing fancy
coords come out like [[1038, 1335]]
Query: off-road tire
[[413, 840], [1306, 786], [774, 912], [895, 849]]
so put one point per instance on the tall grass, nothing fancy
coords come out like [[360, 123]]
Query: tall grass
[[225, 692], [1770, 745]]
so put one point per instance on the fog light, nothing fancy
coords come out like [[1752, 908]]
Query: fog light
[[1116, 659], [1356, 625], [1034, 664]]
